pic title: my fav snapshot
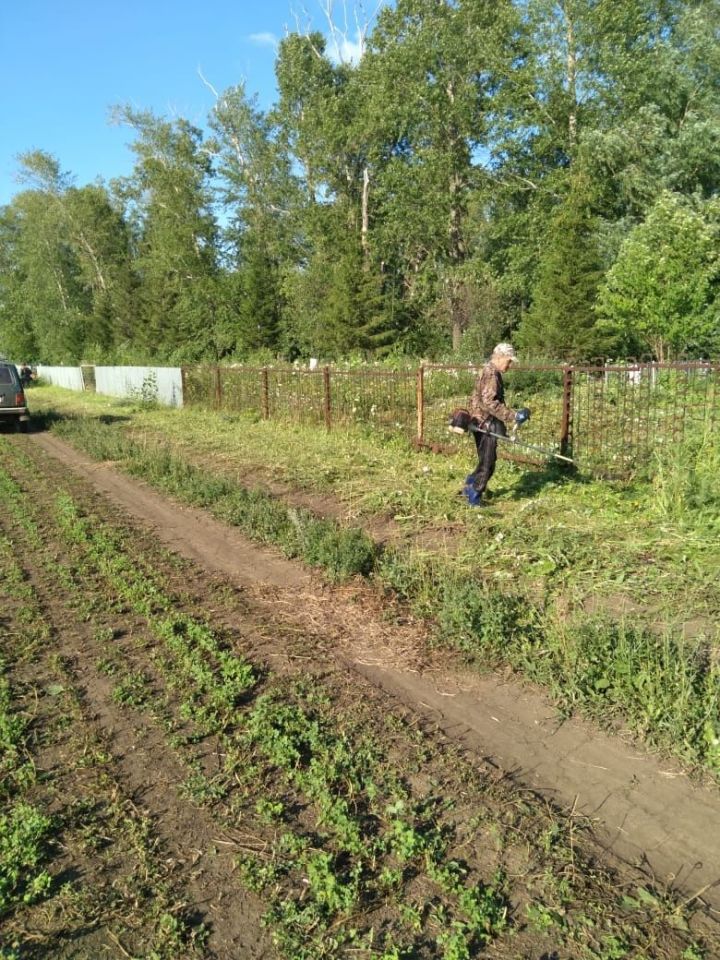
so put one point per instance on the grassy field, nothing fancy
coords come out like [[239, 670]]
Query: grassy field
[[604, 593], [350, 831]]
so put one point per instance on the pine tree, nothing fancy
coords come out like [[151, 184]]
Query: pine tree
[[561, 322], [259, 312], [356, 308]]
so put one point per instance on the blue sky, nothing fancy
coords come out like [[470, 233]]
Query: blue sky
[[63, 64]]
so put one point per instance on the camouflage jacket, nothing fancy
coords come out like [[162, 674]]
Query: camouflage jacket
[[488, 397]]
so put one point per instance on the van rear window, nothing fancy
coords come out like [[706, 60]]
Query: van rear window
[[6, 376]]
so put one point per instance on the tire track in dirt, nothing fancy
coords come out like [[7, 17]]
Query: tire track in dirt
[[647, 811]]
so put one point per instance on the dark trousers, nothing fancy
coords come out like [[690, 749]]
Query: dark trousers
[[487, 454]]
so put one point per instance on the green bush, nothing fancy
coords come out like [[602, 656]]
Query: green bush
[[483, 623], [342, 553]]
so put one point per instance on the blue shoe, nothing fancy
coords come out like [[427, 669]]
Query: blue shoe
[[473, 497], [468, 485]]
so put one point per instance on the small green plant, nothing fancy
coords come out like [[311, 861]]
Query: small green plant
[[133, 690], [268, 810], [201, 790], [542, 917], [327, 887], [146, 396], [256, 874], [24, 834]]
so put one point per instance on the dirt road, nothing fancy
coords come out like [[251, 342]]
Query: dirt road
[[646, 810]]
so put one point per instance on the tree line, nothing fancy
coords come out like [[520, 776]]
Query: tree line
[[546, 170]]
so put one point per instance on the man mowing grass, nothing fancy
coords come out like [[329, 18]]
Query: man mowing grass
[[489, 416]]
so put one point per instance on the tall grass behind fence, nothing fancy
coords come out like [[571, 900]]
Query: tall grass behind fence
[[295, 395], [239, 388], [224, 388], [383, 399], [622, 415]]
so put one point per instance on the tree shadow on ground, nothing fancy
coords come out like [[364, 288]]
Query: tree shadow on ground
[[109, 418], [42, 422]]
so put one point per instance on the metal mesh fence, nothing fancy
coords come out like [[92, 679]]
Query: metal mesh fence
[[381, 399], [296, 395], [197, 386], [385, 400], [239, 388], [623, 416], [611, 419]]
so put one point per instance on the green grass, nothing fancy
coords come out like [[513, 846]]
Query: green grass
[[584, 586], [591, 540]]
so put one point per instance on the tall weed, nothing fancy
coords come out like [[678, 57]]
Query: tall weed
[[665, 686], [686, 483], [485, 624]]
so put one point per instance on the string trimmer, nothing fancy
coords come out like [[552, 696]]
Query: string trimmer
[[461, 422]]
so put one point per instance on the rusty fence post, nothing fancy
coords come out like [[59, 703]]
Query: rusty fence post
[[265, 393], [566, 420], [183, 386], [326, 397], [420, 398], [218, 387]]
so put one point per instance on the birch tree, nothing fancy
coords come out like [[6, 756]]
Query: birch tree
[[433, 68], [170, 200]]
